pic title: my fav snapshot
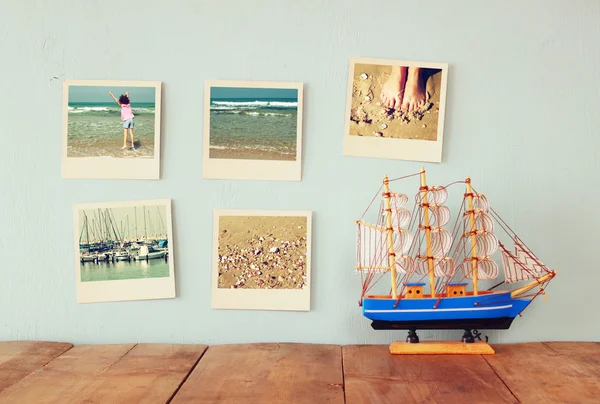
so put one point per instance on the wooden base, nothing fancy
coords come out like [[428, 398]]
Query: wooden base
[[440, 348]]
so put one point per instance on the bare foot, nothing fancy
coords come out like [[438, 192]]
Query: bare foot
[[414, 92], [124, 147], [393, 89]]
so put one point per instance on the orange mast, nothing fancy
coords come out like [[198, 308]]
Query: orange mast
[[390, 234], [425, 205], [473, 237]]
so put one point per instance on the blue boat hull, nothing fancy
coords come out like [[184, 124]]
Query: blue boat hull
[[488, 311]]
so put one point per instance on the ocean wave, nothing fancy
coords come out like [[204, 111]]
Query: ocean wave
[[256, 104], [117, 110], [250, 113], [288, 151], [90, 109]]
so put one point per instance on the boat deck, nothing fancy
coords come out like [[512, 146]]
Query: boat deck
[[51, 372]]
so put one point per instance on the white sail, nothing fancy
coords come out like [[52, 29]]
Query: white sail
[[478, 224], [441, 267], [400, 216], [405, 264], [482, 221], [402, 241], [487, 244], [486, 269], [439, 216], [441, 241], [522, 265], [481, 203], [437, 195], [373, 248]]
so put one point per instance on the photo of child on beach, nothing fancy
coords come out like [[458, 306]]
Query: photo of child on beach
[[262, 252], [390, 101], [253, 123], [98, 116]]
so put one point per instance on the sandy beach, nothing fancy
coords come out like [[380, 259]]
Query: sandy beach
[[262, 252], [369, 118], [99, 133], [249, 155]]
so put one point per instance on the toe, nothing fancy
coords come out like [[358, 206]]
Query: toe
[[405, 106], [384, 100]]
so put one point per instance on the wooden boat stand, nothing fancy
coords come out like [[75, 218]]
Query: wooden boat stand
[[467, 345]]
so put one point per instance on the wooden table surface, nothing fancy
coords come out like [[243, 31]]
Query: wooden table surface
[[54, 372]]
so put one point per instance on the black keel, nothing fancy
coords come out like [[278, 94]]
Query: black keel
[[502, 323]]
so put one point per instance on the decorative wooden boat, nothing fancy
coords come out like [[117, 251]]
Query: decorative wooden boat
[[430, 268]]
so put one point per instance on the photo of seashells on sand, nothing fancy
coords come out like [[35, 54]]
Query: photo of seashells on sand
[[395, 101], [262, 252]]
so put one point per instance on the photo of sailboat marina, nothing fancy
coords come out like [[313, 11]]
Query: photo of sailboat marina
[[123, 243]]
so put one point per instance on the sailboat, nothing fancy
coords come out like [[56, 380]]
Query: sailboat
[[434, 274]]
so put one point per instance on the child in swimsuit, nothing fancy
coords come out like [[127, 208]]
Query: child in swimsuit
[[126, 117]]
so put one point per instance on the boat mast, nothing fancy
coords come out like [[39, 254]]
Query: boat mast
[[136, 228], [473, 237], [425, 205], [390, 234]]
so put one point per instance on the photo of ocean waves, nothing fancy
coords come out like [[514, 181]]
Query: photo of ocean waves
[[257, 128]]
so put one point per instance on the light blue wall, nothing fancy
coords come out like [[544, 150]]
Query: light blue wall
[[521, 120]]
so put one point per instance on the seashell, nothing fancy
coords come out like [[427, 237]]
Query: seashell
[[424, 125], [364, 76], [380, 134], [367, 98], [274, 250], [383, 126]]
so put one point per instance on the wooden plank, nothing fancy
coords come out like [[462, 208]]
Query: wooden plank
[[373, 375], [146, 373], [20, 358], [440, 348], [549, 373], [266, 373]]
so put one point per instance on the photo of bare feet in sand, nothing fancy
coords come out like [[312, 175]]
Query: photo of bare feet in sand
[[395, 102], [395, 109]]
